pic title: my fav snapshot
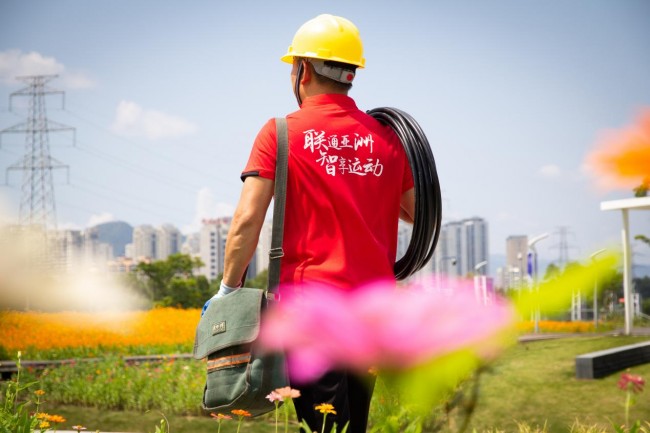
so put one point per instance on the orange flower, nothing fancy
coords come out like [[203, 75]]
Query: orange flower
[[46, 331], [622, 158], [241, 412], [56, 418], [39, 392]]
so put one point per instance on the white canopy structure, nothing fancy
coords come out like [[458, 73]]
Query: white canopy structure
[[625, 206]]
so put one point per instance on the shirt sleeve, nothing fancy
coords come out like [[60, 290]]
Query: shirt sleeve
[[261, 161]]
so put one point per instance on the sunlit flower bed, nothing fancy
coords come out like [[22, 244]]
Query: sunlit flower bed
[[551, 326], [73, 334], [162, 330]]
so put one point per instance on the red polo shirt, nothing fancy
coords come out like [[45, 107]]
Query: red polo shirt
[[347, 173]]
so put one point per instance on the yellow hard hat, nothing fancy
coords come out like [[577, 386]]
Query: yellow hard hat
[[327, 37]]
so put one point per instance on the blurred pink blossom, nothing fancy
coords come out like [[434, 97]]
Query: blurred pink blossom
[[379, 325]]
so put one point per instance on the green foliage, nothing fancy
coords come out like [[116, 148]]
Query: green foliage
[[15, 416], [260, 281], [172, 387], [103, 351], [163, 427], [391, 412], [555, 294], [642, 190], [172, 282]]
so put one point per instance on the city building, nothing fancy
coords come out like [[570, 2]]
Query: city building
[[263, 247], [192, 245], [212, 245], [461, 247], [144, 242], [513, 276], [169, 240]]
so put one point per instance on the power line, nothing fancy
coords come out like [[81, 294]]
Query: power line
[[176, 183], [126, 193], [191, 168], [130, 205]]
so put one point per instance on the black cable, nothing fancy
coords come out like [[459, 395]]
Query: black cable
[[428, 199]]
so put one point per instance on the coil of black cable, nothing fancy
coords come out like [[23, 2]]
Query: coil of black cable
[[428, 198]]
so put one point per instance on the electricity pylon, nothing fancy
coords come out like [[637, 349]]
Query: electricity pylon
[[37, 205]]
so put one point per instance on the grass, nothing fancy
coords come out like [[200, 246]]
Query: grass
[[146, 422], [533, 383]]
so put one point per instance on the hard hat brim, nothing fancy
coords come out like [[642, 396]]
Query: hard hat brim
[[288, 58]]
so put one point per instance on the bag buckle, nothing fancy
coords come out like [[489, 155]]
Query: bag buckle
[[276, 253], [274, 297]]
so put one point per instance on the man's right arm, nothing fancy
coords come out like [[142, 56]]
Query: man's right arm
[[245, 227]]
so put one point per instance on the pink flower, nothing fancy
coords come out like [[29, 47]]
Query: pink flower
[[287, 392], [274, 396], [631, 381], [378, 325]]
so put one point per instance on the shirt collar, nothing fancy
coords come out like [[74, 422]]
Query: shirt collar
[[343, 101]]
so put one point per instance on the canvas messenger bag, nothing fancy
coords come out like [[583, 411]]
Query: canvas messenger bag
[[239, 376]]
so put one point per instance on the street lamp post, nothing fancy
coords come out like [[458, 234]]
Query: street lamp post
[[439, 270], [480, 284], [593, 259], [531, 246]]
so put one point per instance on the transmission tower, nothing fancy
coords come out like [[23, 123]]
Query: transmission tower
[[37, 205]]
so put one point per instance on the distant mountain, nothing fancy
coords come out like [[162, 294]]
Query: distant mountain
[[116, 233]]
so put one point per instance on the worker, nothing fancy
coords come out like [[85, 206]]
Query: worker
[[348, 183]]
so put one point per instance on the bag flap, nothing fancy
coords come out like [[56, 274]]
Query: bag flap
[[228, 321]]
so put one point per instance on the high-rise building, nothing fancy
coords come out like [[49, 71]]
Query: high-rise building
[[192, 245], [516, 260], [212, 245], [169, 241], [461, 247], [263, 247], [144, 242]]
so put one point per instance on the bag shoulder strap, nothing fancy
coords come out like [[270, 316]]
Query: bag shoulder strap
[[279, 198]]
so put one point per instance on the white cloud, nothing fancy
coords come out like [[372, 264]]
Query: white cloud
[[550, 171], [206, 208], [15, 63], [102, 218], [131, 120]]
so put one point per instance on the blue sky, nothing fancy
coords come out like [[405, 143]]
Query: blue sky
[[167, 97]]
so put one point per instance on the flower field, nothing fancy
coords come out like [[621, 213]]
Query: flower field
[[87, 334], [158, 331], [556, 327]]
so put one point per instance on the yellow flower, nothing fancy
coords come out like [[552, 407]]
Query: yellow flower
[[325, 408], [220, 416], [41, 415], [56, 418], [44, 425], [39, 392], [240, 412]]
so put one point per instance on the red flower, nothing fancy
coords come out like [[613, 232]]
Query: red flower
[[630, 381]]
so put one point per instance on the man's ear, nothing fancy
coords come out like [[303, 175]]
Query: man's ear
[[307, 72]]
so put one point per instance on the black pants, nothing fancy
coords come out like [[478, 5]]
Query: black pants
[[349, 394]]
